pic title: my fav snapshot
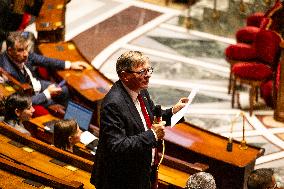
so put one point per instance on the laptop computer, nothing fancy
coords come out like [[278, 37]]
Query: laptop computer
[[82, 115]]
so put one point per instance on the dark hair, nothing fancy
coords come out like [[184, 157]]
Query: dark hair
[[260, 178], [129, 60], [11, 103], [63, 129]]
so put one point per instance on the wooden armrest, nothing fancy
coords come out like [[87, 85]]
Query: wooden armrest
[[57, 110], [16, 84], [190, 168]]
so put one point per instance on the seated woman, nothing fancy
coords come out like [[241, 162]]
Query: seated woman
[[66, 134], [17, 108]]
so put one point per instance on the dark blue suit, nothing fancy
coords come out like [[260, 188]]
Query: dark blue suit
[[123, 159], [33, 61]]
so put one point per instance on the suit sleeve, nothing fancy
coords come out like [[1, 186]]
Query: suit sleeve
[[114, 127], [40, 60], [39, 98]]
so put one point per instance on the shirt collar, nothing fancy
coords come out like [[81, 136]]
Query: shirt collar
[[132, 94]]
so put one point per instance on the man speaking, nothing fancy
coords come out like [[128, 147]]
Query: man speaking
[[126, 150]]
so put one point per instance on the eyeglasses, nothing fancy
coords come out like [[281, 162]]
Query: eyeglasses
[[143, 71]]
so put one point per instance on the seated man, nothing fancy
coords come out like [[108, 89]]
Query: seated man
[[21, 64], [262, 179], [201, 180]]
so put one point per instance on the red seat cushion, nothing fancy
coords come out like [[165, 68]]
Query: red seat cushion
[[240, 51], [39, 111], [43, 73], [252, 70], [247, 34]]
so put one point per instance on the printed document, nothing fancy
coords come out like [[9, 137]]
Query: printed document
[[177, 116]]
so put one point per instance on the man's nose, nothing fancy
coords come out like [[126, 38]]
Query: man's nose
[[25, 53], [148, 74]]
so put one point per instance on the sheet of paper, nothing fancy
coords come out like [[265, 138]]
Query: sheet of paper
[[177, 116], [87, 137]]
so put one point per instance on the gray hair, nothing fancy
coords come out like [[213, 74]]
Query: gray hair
[[260, 178], [17, 36], [201, 180], [130, 60]]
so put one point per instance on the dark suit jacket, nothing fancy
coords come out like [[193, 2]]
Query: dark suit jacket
[[33, 61], [123, 159]]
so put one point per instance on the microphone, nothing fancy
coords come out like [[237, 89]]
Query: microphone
[[157, 114], [230, 145], [230, 139]]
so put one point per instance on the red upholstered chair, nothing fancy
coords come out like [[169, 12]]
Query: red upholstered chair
[[242, 52], [247, 34], [253, 71], [255, 23], [39, 111]]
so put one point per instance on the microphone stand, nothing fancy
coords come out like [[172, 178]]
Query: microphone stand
[[230, 139], [163, 154], [243, 145], [157, 120]]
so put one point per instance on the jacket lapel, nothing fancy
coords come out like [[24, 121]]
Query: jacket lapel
[[132, 108]]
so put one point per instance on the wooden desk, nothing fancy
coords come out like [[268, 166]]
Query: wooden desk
[[50, 24], [12, 85], [88, 86], [36, 127], [192, 144], [33, 157], [10, 180], [6, 90], [53, 4]]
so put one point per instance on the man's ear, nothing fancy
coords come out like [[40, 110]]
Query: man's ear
[[123, 76]]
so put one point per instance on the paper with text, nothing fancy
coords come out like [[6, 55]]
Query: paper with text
[[177, 116]]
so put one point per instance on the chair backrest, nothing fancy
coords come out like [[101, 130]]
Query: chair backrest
[[255, 19], [267, 47], [265, 23]]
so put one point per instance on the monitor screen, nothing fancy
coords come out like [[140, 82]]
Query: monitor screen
[[81, 114]]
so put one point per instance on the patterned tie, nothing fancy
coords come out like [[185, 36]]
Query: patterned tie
[[27, 77], [144, 112]]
